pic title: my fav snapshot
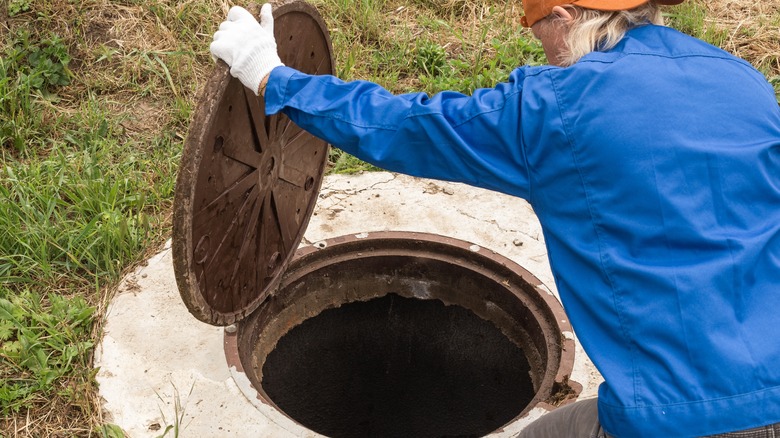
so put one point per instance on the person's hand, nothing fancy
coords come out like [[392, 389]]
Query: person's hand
[[248, 47]]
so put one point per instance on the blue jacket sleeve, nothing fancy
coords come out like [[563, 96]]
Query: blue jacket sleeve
[[474, 139]]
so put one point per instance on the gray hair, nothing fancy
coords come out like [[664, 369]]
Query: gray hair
[[594, 30]]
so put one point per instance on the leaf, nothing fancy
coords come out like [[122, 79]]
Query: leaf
[[165, 432], [111, 431], [6, 330], [6, 308], [11, 349], [8, 312]]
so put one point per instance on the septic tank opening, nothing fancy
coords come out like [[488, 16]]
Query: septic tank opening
[[404, 334], [396, 366]]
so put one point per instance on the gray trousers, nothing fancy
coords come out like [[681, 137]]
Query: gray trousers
[[581, 420]]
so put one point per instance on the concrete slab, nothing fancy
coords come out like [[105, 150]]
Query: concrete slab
[[159, 367]]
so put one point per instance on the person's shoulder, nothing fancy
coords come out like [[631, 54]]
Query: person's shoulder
[[527, 77], [656, 40], [528, 71]]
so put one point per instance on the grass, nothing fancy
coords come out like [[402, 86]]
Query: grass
[[95, 101], [178, 424]]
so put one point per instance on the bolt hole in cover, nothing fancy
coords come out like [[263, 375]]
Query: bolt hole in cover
[[386, 335]]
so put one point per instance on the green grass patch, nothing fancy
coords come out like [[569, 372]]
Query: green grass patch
[[78, 214], [45, 346], [482, 63], [86, 184], [31, 68]]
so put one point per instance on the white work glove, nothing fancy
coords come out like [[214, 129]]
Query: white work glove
[[248, 47]]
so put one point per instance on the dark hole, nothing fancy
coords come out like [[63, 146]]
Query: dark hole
[[398, 367], [308, 184]]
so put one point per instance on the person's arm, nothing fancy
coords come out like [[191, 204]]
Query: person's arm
[[472, 139]]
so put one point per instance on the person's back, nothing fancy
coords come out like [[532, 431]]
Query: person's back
[[669, 150]]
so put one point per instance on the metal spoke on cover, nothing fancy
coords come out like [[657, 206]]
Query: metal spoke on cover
[[247, 182]]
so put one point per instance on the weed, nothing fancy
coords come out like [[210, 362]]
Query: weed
[[20, 119], [48, 62], [30, 70], [344, 163], [110, 431], [775, 82], [43, 62], [16, 7], [431, 58], [178, 413], [43, 340], [484, 61]]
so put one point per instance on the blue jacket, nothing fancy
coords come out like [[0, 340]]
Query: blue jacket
[[654, 169]]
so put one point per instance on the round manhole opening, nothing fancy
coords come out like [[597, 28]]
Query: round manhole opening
[[396, 366], [405, 334]]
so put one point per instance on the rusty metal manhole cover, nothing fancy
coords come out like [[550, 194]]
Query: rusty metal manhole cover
[[247, 183]]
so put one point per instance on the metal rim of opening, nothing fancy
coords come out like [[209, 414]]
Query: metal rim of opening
[[554, 385]]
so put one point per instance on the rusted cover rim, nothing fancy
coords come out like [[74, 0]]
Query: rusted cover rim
[[247, 182]]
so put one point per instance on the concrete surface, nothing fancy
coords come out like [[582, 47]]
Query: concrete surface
[[159, 366]]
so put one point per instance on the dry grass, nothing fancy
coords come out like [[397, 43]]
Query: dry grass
[[135, 60], [753, 29], [54, 419]]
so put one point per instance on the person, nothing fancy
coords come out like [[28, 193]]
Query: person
[[652, 160]]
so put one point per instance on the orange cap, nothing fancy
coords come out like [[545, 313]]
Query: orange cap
[[535, 10]]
